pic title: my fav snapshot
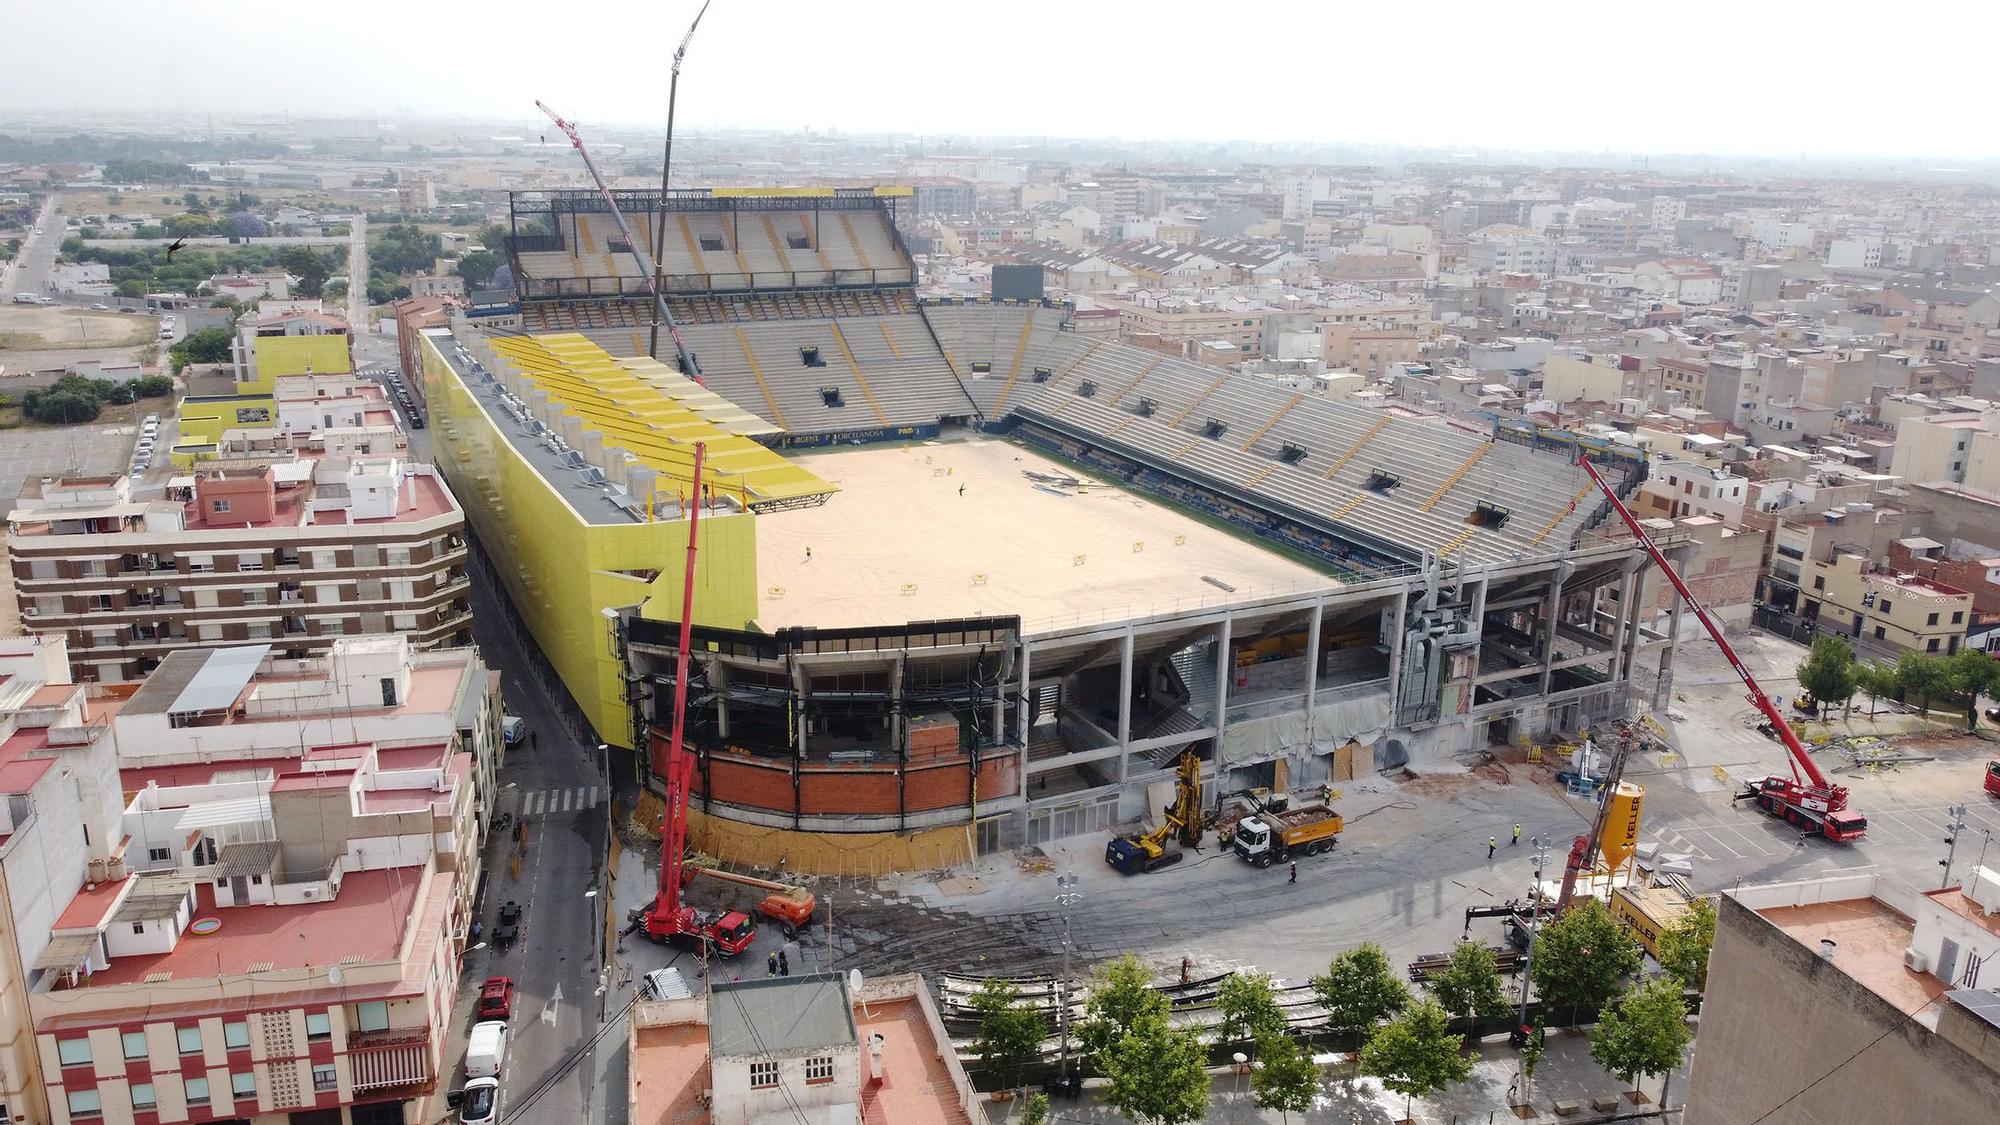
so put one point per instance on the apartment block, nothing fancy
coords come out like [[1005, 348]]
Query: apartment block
[[293, 549], [1884, 609], [1807, 974]]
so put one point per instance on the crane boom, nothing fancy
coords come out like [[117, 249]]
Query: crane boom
[[1813, 800], [637, 248], [680, 767]]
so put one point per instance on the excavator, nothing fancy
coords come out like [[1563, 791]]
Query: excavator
[[1180, 827], [1806, 799]]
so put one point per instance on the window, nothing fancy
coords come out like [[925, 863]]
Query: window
[[1957, 617], [236, 1036], [189, 1039], [135, 1044], [324, 1076], [1819, 582], [138, 927], [1883, 606], [819, 1070], [372, 1016], [143, 1096], [218, 505], [1933, 620], [159, 855], [85, 1103], [197, 1091], [243, 1085], [763, 1074], [318, 1026], [73, 1052], [1879, 635]]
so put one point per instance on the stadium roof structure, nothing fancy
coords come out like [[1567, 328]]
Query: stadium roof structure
[[657, 415]]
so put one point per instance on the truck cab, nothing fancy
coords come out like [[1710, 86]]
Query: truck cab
[[1253, 840]]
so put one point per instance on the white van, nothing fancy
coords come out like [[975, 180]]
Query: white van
[[486, 1049]]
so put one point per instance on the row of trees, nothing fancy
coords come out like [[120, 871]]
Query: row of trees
[[1584, 961], [75, 398], [1833, 677], [148, 269]]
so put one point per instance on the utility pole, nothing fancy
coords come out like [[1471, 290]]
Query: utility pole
[[1956, 826], [1541, 845], [1067, 895], [666, 172]]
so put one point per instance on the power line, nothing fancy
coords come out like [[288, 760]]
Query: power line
[[1893, 1029]]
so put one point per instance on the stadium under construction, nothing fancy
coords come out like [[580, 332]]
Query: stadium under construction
[[970, 580]]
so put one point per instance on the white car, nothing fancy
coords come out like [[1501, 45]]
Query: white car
[[664, 984], [481, 1104], [100, 307]]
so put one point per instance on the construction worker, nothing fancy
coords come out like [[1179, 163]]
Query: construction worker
[[1517, 835], [1295, 872], [809, 554], [771, 965], [1492, 845]]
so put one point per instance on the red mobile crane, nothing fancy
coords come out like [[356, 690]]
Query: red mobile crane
[[1810, 802], [670, 919]]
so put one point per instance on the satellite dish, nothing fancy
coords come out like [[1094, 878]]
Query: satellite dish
[[854, 980], [333, 975]]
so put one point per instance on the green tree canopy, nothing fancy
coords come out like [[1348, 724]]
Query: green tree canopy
[[1286, 1078], [1827, 672], [311, 269], [1009, 1035], [1470, 986], [1249, 1006], [1359, 989], [61, 408], [1969, 674], [1643, 1032], [477, 268], [1876, 680], [210, 345], [1583, 957], [402, 248], [1158, 1075], [1035, 1111], [1121, 998], [1685, 945], [1416, 1053], [1923, 676]]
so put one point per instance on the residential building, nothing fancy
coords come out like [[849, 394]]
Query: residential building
[[1863, 997], [85, 279], [1505, 248], [1969, 567], [249, 288], [437, 285], [1884, 609], [413, 315], [417, 195], [1175, 322], [1935, 448], [290, 341], [1074, 271], [295, 550], [799, 1048], [1371, 352], [1694, 489]]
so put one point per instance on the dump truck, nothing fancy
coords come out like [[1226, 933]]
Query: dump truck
[[1648, 912], [1271, 836]]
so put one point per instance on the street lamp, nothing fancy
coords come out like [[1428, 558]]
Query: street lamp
[[1541, 846], [1067, 895]]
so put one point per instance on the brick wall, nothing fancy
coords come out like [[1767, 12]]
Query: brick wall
[[1966, 574], [741, 779]]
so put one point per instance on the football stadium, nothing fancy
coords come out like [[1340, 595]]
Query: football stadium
[[969, 580]]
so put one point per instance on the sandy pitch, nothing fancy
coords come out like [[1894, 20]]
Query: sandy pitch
[[900, 543]]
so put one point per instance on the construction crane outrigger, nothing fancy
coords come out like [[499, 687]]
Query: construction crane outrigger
[[1809, 802]]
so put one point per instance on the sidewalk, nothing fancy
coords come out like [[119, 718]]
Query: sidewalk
[[1566, 1074]]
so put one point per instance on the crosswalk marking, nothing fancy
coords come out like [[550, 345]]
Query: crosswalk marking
[[548, 802]]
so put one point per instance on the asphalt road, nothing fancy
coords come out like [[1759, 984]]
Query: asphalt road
[[29, 271]]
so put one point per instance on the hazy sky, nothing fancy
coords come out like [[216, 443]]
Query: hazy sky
[[1775, 77]]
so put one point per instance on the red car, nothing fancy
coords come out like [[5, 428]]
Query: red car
[[496, 998]]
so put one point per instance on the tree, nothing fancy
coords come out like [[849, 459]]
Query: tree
[[309, 267], [1359, 990], [1249, 1007], [1035, 1111], [1470, 986], [153, 386], [1583, 956], [493, 236], [1643, 1032], [1685, 945], [1008, 1035], [1286, 1078], [1968, 675], [1157, 1074], [402, 248], [61, 407], [1923, 676], [1532, 1047], [244, 224], [1827, 672], [1875, 680], [1416, 1053], [210, 345], [503, 278], [478, 267], [1122, 998]]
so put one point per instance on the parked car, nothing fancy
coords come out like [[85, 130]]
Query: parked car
[[509, 926], [479, 1103], [100, 307], [496, 998], [486, 1049], [416, 421]]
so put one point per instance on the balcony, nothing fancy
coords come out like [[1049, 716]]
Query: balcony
[[391, 1059]]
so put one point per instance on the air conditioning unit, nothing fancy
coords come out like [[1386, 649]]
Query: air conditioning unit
[[1916, 960]]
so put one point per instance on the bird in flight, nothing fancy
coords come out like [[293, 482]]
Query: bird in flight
[[176, 244]]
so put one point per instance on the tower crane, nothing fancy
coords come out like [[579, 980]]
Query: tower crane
[[1806, 799]]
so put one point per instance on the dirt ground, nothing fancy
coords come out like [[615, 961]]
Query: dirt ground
[[44, 327], [958, 529]]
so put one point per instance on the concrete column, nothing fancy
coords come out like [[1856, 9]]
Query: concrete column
[[1613, 666], [1225, 670], [1663, 687], [899, 717], [1312, 661], [1125, 704], [1027, 702], [1641, 595], [1552, 622], [1397, 624], [718, 676], [800, 692]]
